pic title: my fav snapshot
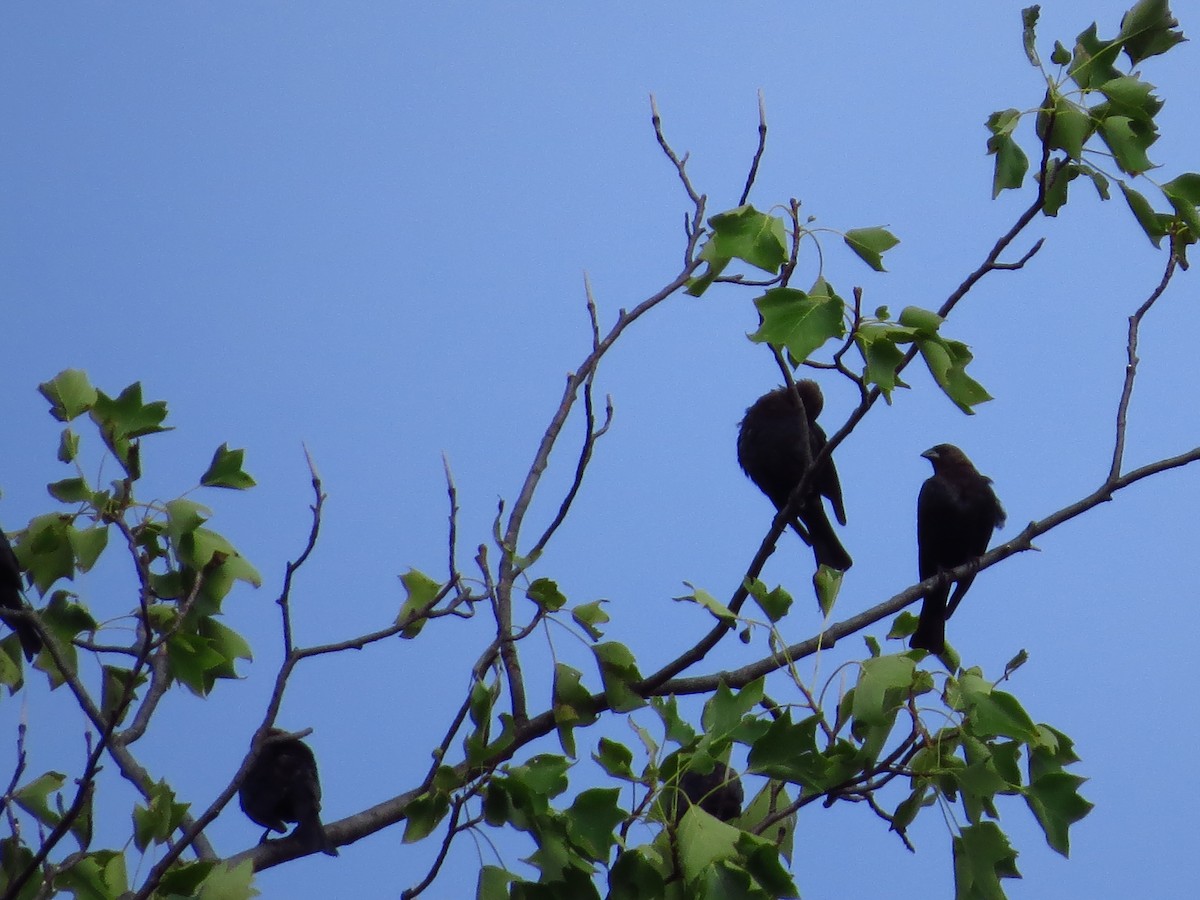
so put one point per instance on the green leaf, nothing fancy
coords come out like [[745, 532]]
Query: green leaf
[[775, 603], [45, 551], [184, 517], [1148, 29], [116, 684], [97, 876], [68, 446], [493, 883], [87, 544], [1060, 56], [1145, 214], [1099, 181], [545, 593], [1129, 96], [797, 322], [1058, 176], [122, 420], [982, 856], [1092, 60], [422, 815], [877, 344], [615, 759], [69, 393], [992, 712], [749, 235], [1029, 17], [883, 686], [571, 705], [1183, 193], [947, 362], [709, 602], [703, 841], [920, 320], [421, 591], [1064, 126], [227, 882], [230, 645], [190, 660], [70, 490], [1054, 799], [1128, 143], [225, 470], [634, 876], [1011, 162], [827, 582], [677, 728], [870, 244], [725, 710], [589, 616], [182, 879], [788, 751], [761, 860], [155, 822], [592, 820], [34, 797], [770, 799], [618, 669]]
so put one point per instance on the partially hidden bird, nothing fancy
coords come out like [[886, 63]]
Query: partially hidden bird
[[719, 793], [10, 598], [282, 786], [778, 440], [957, 511]]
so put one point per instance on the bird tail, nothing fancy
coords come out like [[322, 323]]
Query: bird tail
[[931, 627], [312, 834], [826, 547]]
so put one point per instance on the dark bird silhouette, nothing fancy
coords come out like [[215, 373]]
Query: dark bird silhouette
[[957, 511], [282, 786], [10, 598], [777, 443], [719, 793]]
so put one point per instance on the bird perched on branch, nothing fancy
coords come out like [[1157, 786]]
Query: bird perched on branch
[[282, 786], [778, 441], [10, 598], [719, 793], [957, 511]]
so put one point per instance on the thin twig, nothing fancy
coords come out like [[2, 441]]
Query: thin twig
[[452, 830], [758, 154], [1131, 365], [285, 594]]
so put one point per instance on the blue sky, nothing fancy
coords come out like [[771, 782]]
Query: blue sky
[[364, 228]]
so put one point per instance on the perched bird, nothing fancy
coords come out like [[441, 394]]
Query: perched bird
[[10, 598], [719, 793], [956, 513], [777, 442], [282, 786]]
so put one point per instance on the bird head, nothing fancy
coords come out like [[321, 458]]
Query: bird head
[[945, 455], [810, 393]]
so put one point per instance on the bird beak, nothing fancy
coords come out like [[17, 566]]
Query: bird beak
[[931, 454]]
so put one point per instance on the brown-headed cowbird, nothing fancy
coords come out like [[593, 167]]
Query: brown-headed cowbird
[[956, 513], [282, 786], [719, 793], [10, 598], [777, 442]]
